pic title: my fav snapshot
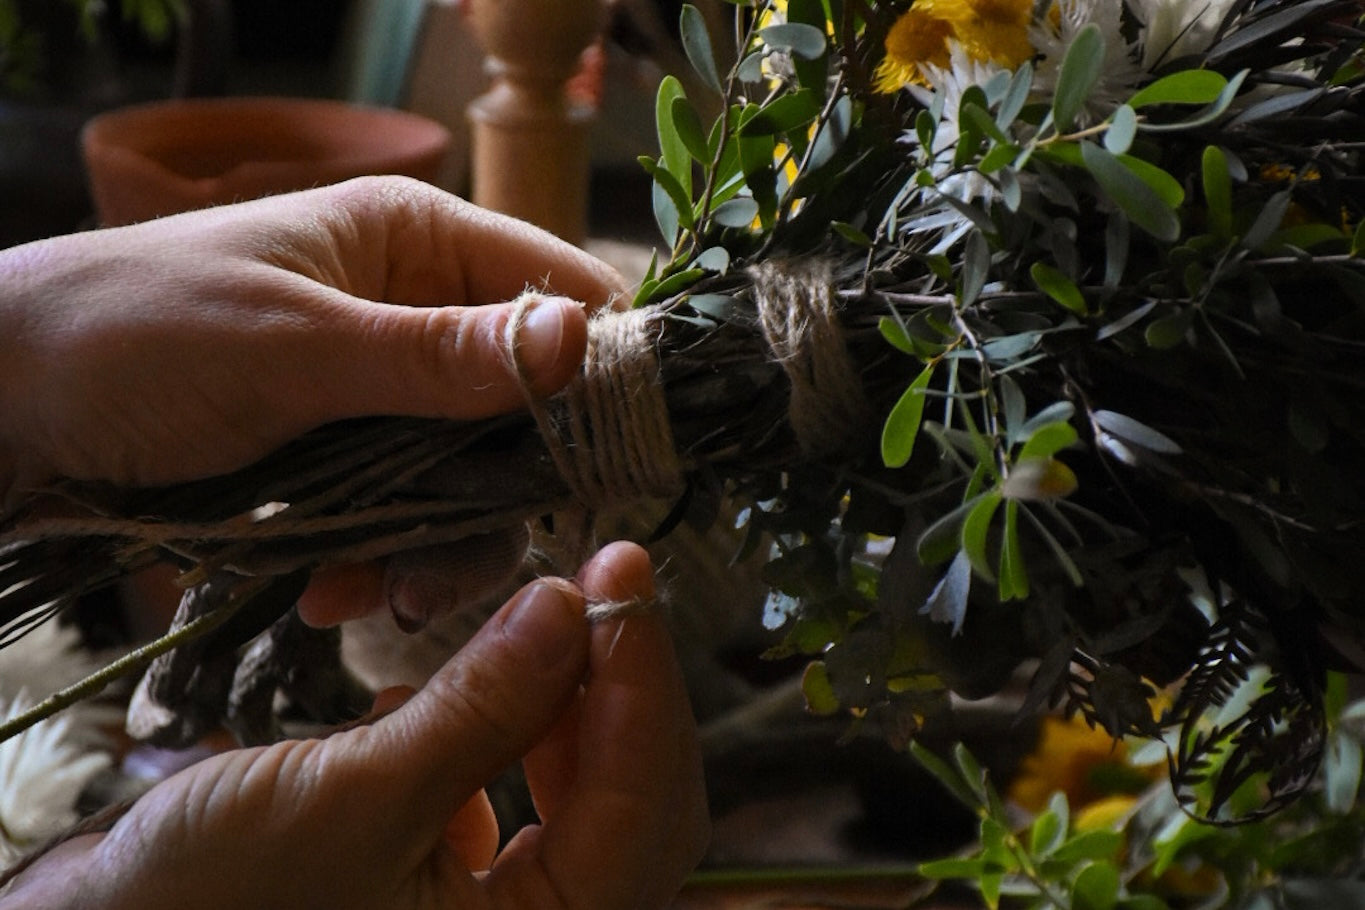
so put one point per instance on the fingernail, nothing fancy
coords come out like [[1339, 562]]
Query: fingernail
[[541, 334], [546, 616]]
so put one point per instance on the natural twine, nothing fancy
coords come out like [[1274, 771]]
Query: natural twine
[[800, 322], [608, 432]]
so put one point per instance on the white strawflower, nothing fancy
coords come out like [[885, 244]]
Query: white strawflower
[[1122, 71], [42, 773], [950, 83], [1175, 28]]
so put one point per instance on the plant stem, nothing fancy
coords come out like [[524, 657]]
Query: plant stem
[[134, 660]]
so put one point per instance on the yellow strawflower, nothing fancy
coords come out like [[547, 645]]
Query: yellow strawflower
[[995, 31]]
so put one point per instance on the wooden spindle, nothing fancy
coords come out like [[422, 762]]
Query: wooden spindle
[[530, 155]]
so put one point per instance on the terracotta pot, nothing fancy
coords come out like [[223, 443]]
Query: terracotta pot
[[172, 156]]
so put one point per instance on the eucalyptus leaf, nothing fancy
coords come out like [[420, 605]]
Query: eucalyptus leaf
[[975, 534], [714, 259], [687, 127], [666, 181], [1217, 191], [1268, 220], [1081, 68], [696, 41], [1134, 431], [1060, 288], [1096, 887], [976, 267], [902, 426], [1013, 577], [802, 40], [786, 113], [1122, 129], [1198, 86], [947, 602], [1142, 204], [674, 149], [1016, 96], [736, 213]]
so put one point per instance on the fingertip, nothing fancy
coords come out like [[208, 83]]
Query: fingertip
[[339, 593], [620, 571], [549, 340]]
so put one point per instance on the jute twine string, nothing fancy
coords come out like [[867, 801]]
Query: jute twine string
[[608, 431], [800, 322]]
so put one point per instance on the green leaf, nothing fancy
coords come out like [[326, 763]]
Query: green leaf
[[1205, 116], [787, 113], [1218, 192], [818, 691], [736, 213], [976, 267], [939, 542], [1060, 288], [1049, 439], [975, 533], [1122, 129], [1096, 888], [1268, 221], [1168, 331], [1135, 432], [720, 307], [804, 41], [687, 126], [903, 423], [665, 213], [982, 120], [665, 180], [1358, 240], [1092, 845], [696, 43], [945, 774], [1047, 832], [1171, 191], [851, 234], [713, 259], [1081, 68], [895, 333], [1142, 204], [1187, 87], [1013, 573], [676, 158], [974, 776], [1016, 96], [677, 283]]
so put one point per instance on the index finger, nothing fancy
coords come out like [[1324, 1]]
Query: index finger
[[438, 249], [634, 821]]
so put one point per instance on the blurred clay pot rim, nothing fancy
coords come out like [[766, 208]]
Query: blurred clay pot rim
[[168, 156]]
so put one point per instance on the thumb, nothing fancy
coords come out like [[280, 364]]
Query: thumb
[[493, 701], [454, 362]]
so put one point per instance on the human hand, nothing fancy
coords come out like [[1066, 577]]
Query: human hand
[[192, 345], [392, 814]]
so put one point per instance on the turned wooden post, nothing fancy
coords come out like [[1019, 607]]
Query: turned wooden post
[[529, 141]]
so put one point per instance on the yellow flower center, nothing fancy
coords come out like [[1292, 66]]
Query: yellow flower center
[[988, 30]]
